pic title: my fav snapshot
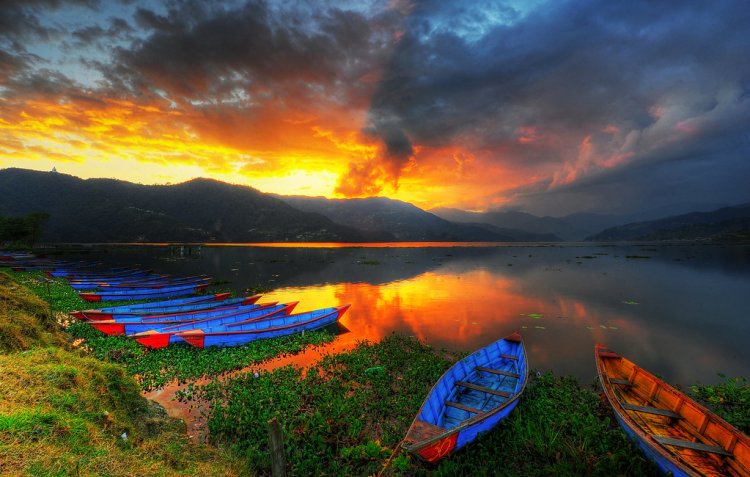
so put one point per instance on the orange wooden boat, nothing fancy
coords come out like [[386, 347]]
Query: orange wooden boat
[[682, 437]]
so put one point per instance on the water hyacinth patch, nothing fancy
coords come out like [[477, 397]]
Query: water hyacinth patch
[[155, 368]]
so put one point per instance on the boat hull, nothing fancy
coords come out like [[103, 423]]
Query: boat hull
[[271, 328], [471, 398], [144, 294]]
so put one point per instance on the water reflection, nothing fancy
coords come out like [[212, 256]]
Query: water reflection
[[679, 311]]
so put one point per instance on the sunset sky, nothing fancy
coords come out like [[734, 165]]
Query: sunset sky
[[550, 107]]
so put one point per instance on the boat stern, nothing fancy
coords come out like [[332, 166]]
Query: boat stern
[[153, 339], [193, 337]]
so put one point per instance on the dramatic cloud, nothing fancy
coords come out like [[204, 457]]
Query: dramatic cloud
[[570, 90], [551, 107]]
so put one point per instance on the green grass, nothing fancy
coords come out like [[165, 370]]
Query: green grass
[[64, 412], [729, 399]]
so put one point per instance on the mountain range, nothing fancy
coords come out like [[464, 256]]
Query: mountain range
[[726, 224], [206, 210]]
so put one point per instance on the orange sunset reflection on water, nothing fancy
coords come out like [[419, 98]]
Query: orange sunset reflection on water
[[563, 299], [459, 312]]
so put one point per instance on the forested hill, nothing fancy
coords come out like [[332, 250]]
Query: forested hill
[[408, 222], [727, 223], [107, 210]]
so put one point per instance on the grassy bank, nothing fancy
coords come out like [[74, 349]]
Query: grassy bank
[[66, 413]]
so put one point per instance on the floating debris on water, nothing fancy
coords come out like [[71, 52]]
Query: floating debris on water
[[630, 302]]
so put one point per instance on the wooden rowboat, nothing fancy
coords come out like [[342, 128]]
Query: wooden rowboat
[[165, 306], [273, 327], [682, 437], [159, 338], [470, 398], [167, 292]]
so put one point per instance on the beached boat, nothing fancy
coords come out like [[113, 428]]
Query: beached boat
[[189, 315], [130, 327], [91, 273], [166, 292], [136, 284], [159, 338], [470, 398], [682, 437], [163, 306], [270, 328]]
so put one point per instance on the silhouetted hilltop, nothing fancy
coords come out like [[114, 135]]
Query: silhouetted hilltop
[[407, 222], [727, 223], [107, 210]]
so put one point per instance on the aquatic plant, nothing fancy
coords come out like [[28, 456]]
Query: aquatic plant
[[730, 399], [155, 368]]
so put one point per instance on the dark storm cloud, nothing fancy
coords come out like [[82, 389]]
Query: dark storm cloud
[[20, 19], [200, 51], [570, 70], [93, 34]]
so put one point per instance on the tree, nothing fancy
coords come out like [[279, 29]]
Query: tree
[[26, 229]]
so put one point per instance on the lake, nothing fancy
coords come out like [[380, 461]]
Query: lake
[[682, 311]]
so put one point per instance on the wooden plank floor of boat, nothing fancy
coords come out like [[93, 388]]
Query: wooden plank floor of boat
[[422, 431]]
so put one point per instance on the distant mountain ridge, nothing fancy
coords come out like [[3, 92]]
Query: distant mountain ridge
[[726, 223], [574, 227], [205, 210], [408, 222]]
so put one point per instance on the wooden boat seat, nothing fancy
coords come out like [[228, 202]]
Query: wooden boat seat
[[623, 382], [498, 372], [483, 389], [669, 441], [609, 354], [458, 405], [509, 356], [651, 410]]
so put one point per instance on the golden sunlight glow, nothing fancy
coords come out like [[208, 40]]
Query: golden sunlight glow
[[157, 144]]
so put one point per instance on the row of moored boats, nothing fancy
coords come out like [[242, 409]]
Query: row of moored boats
[[181, 315]]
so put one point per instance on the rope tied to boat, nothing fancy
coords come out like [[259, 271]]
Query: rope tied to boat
[[395, 452]]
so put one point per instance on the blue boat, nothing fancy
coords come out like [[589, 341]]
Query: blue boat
[[156, 307], [139, 326], [136, 285], [178, 316], [165, 312], [270, 328], [166, 292], [470, 398], [159, 338], [90, 273]]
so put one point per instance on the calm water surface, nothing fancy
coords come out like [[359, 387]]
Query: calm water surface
[[680, 311]]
